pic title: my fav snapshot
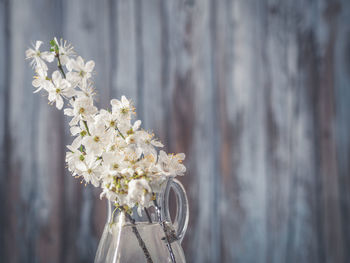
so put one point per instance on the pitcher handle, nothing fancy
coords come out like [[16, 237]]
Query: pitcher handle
[[181, 219]]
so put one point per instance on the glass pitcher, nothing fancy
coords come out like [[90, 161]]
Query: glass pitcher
[[149, 237]]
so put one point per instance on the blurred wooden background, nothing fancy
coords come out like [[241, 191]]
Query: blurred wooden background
[[256, 93]]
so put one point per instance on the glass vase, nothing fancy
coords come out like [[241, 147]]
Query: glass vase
[[149, 237]]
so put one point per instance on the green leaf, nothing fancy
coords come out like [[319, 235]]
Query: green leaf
[[54, 46]]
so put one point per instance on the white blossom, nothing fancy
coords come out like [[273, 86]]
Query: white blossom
[[79, 71], [98, 139], [122, 108], [83, 109], [74, 156], [113, 163], [139, 192], [66, 51], [60, 89], [109, 149], [90, 169], [38, 57], [41, 81], [171, 164], [146, 143]]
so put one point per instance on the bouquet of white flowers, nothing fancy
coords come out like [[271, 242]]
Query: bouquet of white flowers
[[109, 150]]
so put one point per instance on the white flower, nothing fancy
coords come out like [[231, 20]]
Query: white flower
[[122, 108], [116, 144], [65, 50], [127, 172], [157, 183], [123, 125], [98, 139], [132, 138], [113, 162], [74, 156], [171, 164], [80, 132], [38, 57], [142, 141], [108, 118], [135, 127], [83, 109], [90, 169], [82, 72], [139, 192], [130, 153], [61, 88], [147, 144], [79, 129], [41, 82], [107, 192]]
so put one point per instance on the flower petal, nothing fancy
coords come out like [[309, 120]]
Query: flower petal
[[56, 75], [70, 64], [48, 56], [59, 102], [30, 53], [38, 43], [89, 66], [79, 63]]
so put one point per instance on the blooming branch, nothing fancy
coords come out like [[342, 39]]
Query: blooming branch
[[109, 149]]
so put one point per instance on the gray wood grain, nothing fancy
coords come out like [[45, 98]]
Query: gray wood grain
[[4, 72], [256, 93]]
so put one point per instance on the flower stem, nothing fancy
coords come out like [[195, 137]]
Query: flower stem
[[60, 65], [139, 238], [87, 128], [162, 223], [120, 133], [148, 216]]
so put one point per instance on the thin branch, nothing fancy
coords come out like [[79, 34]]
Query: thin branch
[[148, 216], [139, 238], [162, 223], [87, 128], [60, 65], [120, 132]]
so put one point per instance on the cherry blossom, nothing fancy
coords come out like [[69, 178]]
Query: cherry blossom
[[110, 150], [38, 57]]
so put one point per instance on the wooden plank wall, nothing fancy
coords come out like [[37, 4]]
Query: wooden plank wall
[[256, 93]]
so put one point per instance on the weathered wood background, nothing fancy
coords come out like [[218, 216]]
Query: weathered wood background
[[256, 93]]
